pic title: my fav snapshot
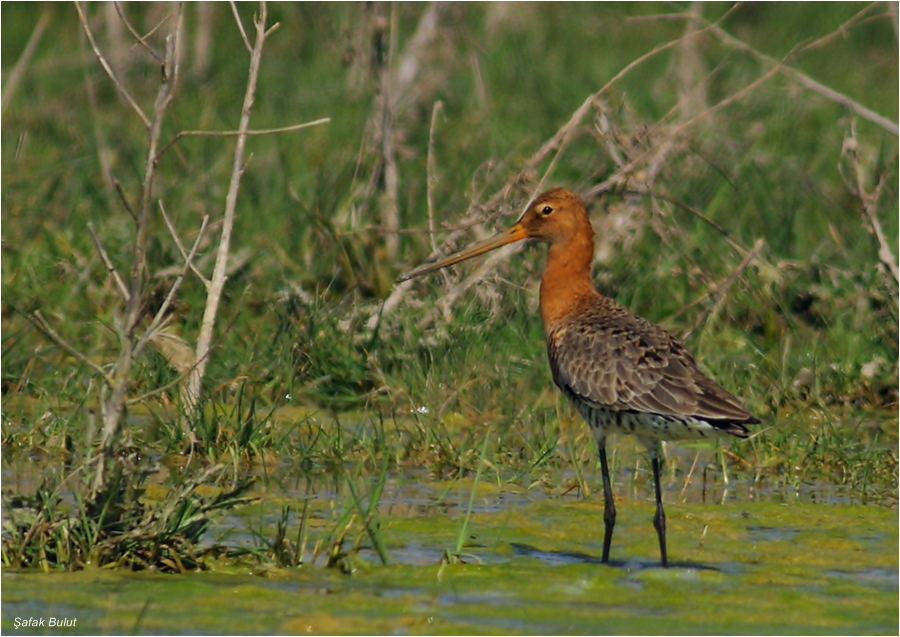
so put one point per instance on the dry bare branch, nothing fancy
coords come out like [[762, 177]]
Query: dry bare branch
[[113, 396], [103, 152], [142, 40], [37, 319], [248, 133], [150, 333], [807, 81], [237, 18], [110, 268], [720, 290], [217, 282], [431, 177], [856, 183], [180, 246], [108, 69], [124, 199]]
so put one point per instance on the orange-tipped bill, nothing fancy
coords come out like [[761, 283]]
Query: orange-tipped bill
[[516, 233]]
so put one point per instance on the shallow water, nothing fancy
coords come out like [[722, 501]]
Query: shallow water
[[532, 566], [745, 558]]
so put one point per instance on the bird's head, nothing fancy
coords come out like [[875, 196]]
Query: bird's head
[[555, 216]]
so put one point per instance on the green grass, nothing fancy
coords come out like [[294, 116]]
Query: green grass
[[806, 334]]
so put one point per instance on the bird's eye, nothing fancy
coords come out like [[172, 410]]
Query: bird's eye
[[546, 210]]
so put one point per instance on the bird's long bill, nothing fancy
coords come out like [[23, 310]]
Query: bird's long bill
[[515, 233]]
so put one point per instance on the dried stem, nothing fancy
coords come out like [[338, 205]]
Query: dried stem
[[180, 246], [37, 319], [217, 282], [869, 201], [807, 81], [110, 268], [142, 40], [237, 18], [431, 177], [106, 67], [113, 396], [173, 290], [248, 133]]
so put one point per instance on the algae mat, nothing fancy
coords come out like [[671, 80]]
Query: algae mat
[[752, 568]]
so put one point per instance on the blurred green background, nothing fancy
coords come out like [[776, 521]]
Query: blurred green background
[[805, 332]]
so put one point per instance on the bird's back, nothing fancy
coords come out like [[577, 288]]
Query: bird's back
[[626, 374]]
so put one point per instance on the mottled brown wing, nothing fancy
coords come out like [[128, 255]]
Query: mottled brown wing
[[612, 358]]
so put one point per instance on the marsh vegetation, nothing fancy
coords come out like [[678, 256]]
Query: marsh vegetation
[[207, 365]]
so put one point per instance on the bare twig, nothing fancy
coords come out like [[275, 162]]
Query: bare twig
[[431, 177], [807, 81], [720, 290], [18, 70], [113, 396], [869, 201], [399, 291], [142, 40], [103, 154], [687, 479], [237, 18], [106, 67], [248, 133], [120, 284], [885, 253], [37, 319], [390, 217], [177, 240], [173, 290], [619, 175], [217, 282], [124, 199]]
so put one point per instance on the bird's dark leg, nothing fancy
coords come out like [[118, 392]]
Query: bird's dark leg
[[609, 505], [659, 520]]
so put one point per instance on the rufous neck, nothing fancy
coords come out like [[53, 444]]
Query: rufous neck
[[567, 285]]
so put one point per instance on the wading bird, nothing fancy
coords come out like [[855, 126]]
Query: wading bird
[[623, 373]]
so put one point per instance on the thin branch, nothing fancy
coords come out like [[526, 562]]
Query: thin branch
[[219, 276], [869, 201], [124, 199], [106, 67], [431, 178], [110, 268], [885, 253], [176, 284], [142, 40], [235, 133], [37, 319], [738, 246], [155, 392], [175, 237], [399, 291], [720, 290], [617, 177], [103, 154], [237, 18], [807, 81], [842, 30]]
